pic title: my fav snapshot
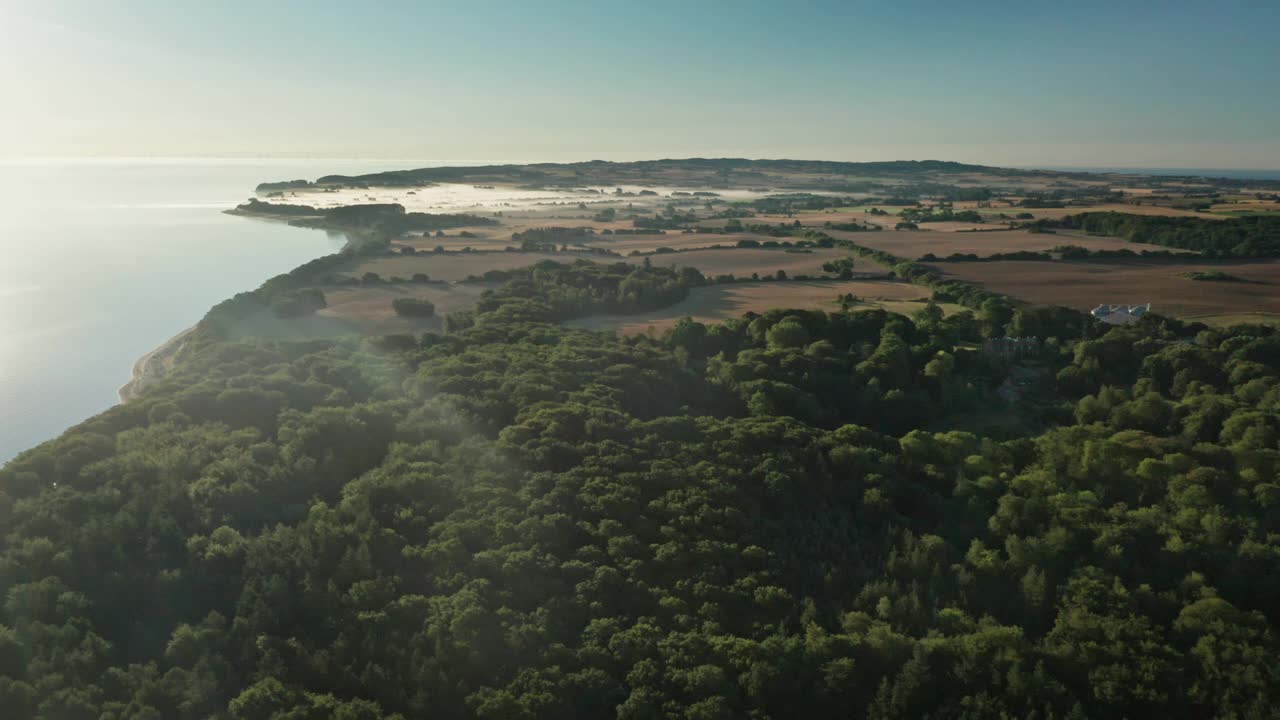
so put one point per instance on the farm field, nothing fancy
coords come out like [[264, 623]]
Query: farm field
[[818, 218], [954, 227], [745, 261], [1085, 285], [1129, 208], [1246, 207], [911, 244], [716, 303], [625, 244], [488, 238]]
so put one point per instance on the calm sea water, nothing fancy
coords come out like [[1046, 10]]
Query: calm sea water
[[102, 261]]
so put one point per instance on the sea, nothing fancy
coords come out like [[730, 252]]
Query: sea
[[102, 261]]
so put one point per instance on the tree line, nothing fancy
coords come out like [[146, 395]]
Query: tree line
[[1253, 236]]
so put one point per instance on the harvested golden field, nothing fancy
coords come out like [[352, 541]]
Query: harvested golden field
[[742, 262], [911, 244], [716, 303], [486, 238], [819, 218], [951, 227], [1085, 285], [1144, 209], [625, 244]]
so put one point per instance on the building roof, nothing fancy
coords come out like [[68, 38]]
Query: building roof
[[1120, 314]]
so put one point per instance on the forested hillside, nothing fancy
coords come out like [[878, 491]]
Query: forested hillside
[[643, 168], [797, 514]]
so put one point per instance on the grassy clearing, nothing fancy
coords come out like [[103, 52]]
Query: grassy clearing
[[1227, 319], [365, 310], [1258, 212]]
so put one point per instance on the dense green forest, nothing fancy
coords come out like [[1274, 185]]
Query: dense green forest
[[1257, 236], [795, 514]]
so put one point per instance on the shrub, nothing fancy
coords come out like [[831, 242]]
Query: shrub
[[1209, 276], [414, 307]]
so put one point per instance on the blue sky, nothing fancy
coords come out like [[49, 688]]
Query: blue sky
[[1163, 84]]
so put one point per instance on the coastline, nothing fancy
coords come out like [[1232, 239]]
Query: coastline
[[275, 217], [156, 364], [153, 366]]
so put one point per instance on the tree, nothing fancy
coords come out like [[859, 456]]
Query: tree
[[929, 317], [296, 303], [788, 334]]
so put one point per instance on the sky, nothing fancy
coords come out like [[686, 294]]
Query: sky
[[1064, 84]]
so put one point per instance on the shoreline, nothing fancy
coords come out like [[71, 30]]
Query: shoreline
[[156, 364], [153, 366], [274, 217]]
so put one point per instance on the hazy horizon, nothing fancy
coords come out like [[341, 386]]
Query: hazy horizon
[[1259, 172], [1090, 85]]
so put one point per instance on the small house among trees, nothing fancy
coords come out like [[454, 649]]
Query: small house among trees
[[1120, 314]]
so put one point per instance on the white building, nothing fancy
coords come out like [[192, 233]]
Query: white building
[[1120, 314]]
